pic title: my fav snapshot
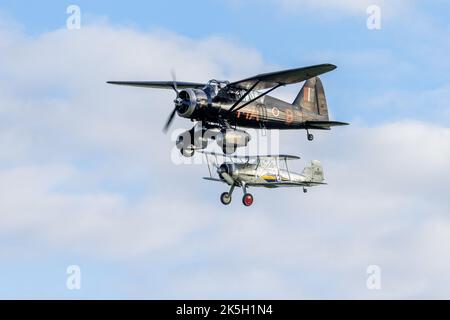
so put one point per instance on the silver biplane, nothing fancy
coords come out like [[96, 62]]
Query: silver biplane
[[271, 171]]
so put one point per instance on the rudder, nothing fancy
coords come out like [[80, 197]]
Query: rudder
[[312, 100], [314, 172]]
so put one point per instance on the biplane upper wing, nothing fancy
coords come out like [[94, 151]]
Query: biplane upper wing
[[277, 156], [285, 77], [159, 84]]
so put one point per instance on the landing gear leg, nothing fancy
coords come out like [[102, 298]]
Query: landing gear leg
[[226, 198], [247, 200], [310, 136]]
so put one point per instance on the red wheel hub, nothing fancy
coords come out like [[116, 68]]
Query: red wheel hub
[[248, 200]]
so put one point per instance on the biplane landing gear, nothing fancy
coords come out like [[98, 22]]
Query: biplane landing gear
[[247, 200], [226, 197], [310, 136]]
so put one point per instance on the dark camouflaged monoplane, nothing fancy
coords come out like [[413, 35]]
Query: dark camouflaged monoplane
[[224, 108]]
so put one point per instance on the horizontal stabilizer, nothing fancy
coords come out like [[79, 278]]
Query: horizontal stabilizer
[[324, 125]]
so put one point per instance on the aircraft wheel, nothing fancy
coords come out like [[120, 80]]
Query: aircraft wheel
[[225, 198], [310, 137], [188, 153], [247, 200], [305, 190]]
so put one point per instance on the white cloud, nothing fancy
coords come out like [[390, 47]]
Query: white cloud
[[101, 223], [74, 150]]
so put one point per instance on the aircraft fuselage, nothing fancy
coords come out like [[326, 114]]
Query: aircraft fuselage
[[268, 113]]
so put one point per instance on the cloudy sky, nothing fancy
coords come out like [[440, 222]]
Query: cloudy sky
[[87, 177]]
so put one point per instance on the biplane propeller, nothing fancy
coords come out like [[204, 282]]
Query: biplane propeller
[[223, 108]]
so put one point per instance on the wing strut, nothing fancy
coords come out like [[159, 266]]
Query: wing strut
[[242, 98], [287, 168], [253, 100], [209, 167]]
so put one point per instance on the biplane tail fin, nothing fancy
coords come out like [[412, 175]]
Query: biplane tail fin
[[314, 172], [312, 100]]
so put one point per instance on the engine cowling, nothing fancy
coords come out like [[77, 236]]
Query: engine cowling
[[190, 101], [227, 172], [233, 139]]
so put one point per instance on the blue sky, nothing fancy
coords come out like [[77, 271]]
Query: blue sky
[[87, 177], [393, 56]]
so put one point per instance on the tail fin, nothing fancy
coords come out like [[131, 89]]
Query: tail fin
[[312, 100], [314, 172]]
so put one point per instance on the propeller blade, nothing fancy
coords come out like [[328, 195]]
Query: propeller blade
[[174, 79], [170, 120], [174, 112]]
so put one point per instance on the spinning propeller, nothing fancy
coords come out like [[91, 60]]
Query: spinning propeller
[[178, 103]]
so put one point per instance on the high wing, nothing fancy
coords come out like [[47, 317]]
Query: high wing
[[273, 79], [259, 82], [278, 156], [159, 84]]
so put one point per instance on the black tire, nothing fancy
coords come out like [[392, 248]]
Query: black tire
[[225, 198], [310, 137], [247, 200]]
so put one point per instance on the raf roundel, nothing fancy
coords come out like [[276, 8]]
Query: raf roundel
[[275, 112]]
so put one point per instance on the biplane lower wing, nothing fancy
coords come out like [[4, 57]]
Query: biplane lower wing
[[274, 184], [213, 179], [286, 184]]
